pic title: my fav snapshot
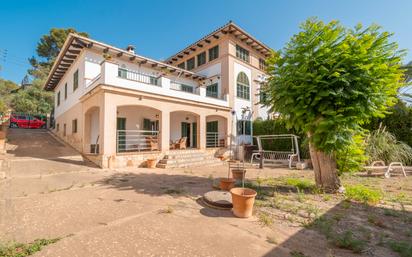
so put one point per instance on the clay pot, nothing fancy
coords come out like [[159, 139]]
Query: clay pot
[[242, 200], [239, 174], [226, 184], [151, 163]]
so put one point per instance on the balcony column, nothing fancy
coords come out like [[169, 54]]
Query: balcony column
[[109, 70], [202, 131], [107, 129], [165, 130]]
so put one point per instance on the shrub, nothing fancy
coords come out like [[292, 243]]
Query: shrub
[[352, 158], [398, 122], [382, 145], [363, 194], [403, 248]]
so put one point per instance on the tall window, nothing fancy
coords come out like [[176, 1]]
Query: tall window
[[75, 80], [74, 126], [242, 53], [243, 88], [181, 65], [212, 90], [244, 127], [213, 53], [65, 91], [58, 98], [190, 64], [262, 64], [201, 58]]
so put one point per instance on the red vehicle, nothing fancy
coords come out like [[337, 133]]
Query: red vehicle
[[25, 121]]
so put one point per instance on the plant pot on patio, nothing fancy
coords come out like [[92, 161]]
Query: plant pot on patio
[[227, 183], [239, 174], [243, 200], [151, 163]]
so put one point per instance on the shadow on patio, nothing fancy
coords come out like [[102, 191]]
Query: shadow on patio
[[351, 229], [158, 184]]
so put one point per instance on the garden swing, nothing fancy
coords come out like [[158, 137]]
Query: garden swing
[[276, 150]]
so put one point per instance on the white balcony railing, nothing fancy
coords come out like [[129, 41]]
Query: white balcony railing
[[215, 139], [183, 88], [137, 140], [139, 77], [148, 81]]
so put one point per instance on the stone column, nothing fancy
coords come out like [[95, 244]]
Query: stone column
[[107, 128], [202, 131], [165, 130]]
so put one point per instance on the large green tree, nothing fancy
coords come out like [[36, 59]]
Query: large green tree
[[47, 50], [6, 89], [34, 99], [328, 81]]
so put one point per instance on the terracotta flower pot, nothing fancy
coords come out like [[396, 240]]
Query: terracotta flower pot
[[227, 183], [238, 174], [243, 200], [151, 163]]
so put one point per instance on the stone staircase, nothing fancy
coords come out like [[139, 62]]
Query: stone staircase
[[188, 158]]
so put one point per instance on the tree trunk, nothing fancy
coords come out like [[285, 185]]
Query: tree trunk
[[324, 166]]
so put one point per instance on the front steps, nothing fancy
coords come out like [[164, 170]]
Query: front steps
[[188, 158]]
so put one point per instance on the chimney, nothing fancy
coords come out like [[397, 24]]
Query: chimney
[[130, 49]]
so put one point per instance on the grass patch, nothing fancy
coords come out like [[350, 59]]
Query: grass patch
[[363, 194], [265, 218], [21, 250], [391, 213], [376, 221], [297, 254], [403, 248], [301, 184], [346, 240]]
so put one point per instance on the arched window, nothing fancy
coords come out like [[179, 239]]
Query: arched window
[[243, 88]]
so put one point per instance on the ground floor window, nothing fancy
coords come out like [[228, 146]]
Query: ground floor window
[[64, 129], [244, 127], [74, 126]]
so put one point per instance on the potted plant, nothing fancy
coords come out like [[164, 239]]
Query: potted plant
[[238, 174], [227, 183], [243, 200], [151, 163]]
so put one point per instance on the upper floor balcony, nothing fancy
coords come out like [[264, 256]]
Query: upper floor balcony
[[114, 75]]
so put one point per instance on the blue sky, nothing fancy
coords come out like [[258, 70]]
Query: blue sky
[[161, 28]]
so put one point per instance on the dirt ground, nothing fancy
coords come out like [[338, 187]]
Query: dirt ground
[[51, 192]]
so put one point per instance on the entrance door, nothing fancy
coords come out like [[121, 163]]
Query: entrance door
[[194, 135], [186, 132], [121, 134]]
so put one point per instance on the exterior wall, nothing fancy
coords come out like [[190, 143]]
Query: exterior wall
[[114, 102], [74, 139], [100, 87]]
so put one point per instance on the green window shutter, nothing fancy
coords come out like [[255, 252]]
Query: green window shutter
[[75, 80], [146, 124]]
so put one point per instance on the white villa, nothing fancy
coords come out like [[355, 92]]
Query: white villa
[[120, 108]]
